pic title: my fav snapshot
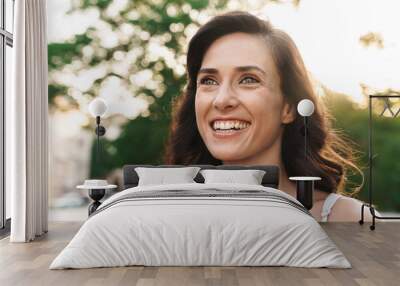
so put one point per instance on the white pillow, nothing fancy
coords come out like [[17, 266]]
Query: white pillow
[[249, 177], [162, 176]]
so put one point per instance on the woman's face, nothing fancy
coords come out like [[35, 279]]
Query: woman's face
[[240, 110]]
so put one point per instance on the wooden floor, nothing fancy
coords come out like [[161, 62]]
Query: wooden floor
[[374, 255]]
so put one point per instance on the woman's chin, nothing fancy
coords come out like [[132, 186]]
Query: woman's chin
[[227, 156]]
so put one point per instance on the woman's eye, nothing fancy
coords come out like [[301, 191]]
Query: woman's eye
[[249, 79], [208, 81]]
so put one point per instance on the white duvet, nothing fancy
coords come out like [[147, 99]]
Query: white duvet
[[183, 231]]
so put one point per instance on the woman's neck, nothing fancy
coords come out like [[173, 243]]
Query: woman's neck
[[270, 156], [285, 184]]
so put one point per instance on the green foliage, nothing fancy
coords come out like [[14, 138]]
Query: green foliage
[[199, 5], [142, 139], [353, 121], [54, 90], [102, 4], [61, 54], [141, 142]]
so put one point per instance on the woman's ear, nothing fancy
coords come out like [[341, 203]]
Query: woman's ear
[[288, 113]]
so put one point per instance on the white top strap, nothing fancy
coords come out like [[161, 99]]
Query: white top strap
[[328, 204]]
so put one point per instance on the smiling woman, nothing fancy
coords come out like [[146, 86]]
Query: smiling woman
[[239, 105], [245, 78]]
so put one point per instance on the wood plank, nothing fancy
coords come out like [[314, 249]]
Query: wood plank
[[374, 255]]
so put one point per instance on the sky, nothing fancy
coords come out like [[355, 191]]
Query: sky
[[327, 34]]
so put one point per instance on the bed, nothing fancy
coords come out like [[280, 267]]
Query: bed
[[201, 224]]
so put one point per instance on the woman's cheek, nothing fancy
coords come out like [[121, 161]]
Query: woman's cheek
[[266, 114], [200, 111]]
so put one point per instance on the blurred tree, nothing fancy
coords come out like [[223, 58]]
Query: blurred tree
[[148, 39], [352, 121], [371, 39], [141, 46]]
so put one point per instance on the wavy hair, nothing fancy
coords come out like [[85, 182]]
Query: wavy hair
[[330, 154]]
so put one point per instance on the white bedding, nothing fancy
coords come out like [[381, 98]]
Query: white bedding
[[182, 231]]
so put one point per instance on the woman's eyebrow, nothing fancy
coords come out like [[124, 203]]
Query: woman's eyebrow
[[240, 68], [208, 70], [248, 68]]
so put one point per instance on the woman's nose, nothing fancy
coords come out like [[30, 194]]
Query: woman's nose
[[225, 98]]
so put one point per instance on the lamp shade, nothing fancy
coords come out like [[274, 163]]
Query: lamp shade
[[305, 107], [97, 107]]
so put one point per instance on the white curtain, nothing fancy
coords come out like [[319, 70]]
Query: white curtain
[[27, 122]]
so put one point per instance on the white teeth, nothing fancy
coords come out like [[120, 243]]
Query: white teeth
[[229, 124]]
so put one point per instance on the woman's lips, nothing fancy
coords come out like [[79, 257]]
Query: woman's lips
[[228, 133]]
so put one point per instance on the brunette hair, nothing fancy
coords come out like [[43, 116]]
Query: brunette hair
[[330, 155]]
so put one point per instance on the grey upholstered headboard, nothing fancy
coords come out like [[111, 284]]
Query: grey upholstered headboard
[[270, 179]]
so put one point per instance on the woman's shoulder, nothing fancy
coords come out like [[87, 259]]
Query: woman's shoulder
[[348, 209]]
